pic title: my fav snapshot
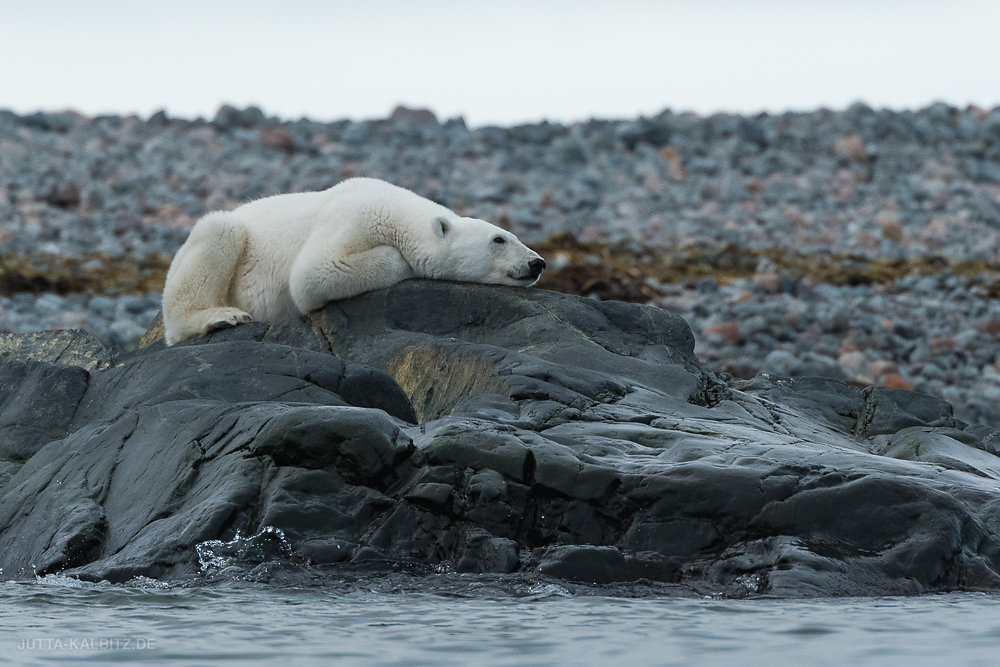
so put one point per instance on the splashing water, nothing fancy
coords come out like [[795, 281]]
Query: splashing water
[[266, 546]]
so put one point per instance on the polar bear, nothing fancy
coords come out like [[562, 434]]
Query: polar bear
[[286, 255]]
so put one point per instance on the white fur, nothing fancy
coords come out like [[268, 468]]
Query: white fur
[[286, 255]]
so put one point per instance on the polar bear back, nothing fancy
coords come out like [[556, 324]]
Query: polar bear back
[[353, 216], [351, 212]]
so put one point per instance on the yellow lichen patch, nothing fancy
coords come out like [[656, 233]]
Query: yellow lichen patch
[[155, 333], [436, 380]]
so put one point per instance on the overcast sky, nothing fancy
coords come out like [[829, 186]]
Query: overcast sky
[[496, 62]]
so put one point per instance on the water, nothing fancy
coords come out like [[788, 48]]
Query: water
[[57, 620]]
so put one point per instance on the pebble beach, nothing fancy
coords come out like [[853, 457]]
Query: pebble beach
[[860, 244]]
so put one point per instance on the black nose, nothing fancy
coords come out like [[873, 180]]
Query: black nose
[[536, 266]]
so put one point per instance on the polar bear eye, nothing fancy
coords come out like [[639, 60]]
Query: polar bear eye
[[499, 239]]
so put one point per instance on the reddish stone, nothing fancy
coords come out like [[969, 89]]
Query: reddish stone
[[857, 367], [943, 343], [892, 230], [675, 166], [852, 147], [728, 330], [882, 369], [67, 196], [989, 327], [896, 381], [768, 281], [891, 223], [593, 234], [813, 333], [278, 138], [847, 346], [868, 241]]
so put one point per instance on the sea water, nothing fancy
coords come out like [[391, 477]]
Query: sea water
[[451, 620]]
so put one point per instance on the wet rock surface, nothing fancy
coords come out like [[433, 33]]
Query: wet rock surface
[[440, 427]]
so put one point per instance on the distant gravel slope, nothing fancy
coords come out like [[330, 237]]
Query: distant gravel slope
[[106, 193]]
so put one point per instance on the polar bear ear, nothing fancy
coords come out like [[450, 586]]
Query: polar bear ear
[[441, 226]]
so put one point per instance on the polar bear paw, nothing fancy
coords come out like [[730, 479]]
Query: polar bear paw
[[223, 318]]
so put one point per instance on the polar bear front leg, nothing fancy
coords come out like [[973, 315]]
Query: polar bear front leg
[[195, 291], [219, 318], [316, 281]]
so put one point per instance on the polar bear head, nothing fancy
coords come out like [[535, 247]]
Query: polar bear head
[[473, 250]]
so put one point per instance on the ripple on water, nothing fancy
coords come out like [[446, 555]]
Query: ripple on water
[[393, 619]]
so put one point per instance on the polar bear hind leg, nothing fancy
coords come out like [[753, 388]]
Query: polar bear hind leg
[[199, 279]]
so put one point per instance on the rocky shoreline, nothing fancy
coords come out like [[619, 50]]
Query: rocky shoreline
[[860, 244], [439, 427]]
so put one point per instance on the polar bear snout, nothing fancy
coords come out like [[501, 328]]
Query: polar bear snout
[[530, 274]]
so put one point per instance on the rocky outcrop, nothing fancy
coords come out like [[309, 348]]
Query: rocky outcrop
[[447, 427]]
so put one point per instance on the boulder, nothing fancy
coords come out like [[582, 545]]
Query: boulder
[[72, 347], [439, 427]]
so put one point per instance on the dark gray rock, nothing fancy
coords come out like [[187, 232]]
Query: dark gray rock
[[229, 117], [655, 132], [886, 411], [59, 121], [827, 399], [443, 427], [413, 116], [72, 347], [520, 344], [37, 403], [170, 447], [605, 565]]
